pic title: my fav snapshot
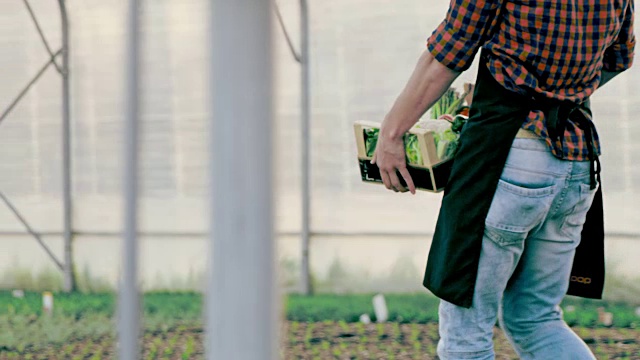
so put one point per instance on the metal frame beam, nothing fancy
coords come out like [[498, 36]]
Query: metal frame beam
[[67, 265], [30, 230]]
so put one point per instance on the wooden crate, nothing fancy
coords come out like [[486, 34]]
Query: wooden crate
[[431, 176]]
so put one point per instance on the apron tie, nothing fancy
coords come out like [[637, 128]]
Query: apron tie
[[556, 116]]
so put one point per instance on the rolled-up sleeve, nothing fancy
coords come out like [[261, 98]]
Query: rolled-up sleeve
[[464, 30], [619, 56]]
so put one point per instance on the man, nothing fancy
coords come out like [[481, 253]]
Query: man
[[513, 210]]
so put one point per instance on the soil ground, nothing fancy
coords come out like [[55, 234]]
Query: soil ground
[[325, 340]]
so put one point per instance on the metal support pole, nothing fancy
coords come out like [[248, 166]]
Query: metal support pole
[[241, 308], [129, 297], [306, 140], [69, 276]]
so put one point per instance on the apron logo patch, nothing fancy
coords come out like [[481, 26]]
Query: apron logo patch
[[581, 280]]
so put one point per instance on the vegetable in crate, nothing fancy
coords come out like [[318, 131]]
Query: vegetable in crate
[[412, 148], [446, 144], [451, 102], [371, 140], [411, 144], [445, 133], [458, 123], [446, 140]]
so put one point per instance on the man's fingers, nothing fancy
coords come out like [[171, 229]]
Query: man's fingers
[[375, 155], [407, 179], [395, 182], [385, 179]]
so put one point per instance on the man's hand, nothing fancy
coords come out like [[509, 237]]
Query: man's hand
[[391, 159], [429, 81]]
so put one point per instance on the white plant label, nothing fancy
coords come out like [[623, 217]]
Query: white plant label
[[380, 308]]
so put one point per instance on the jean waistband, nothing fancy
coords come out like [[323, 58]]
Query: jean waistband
[[531, 144], [535, 155]]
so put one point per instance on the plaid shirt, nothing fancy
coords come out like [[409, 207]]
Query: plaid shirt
[[555, 48]]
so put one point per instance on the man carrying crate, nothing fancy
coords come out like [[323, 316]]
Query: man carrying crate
[[511, 238]]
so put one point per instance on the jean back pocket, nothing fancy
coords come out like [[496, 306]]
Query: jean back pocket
[[516, 210], [576, 217]]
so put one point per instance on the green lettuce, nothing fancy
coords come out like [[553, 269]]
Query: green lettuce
[[446, 143], [412, 146]]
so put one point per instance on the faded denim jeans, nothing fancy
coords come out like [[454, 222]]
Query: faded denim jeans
[[532, 230]]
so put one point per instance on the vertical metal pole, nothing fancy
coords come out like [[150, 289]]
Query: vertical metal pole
[[129, 298], [69, 275], [241, 308], [306, 144]]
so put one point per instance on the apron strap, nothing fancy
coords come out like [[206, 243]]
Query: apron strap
[[582, 118], [556, 115]]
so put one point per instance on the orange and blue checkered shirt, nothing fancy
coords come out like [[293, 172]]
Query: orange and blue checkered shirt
[[556, 49]]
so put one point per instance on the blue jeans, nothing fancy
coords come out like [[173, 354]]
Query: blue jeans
[[532, 230]]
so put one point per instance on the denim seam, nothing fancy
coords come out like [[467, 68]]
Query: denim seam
[[479, 352], [529, 193], [563, 228], [563, 195], [544, 327], [467, 352], [530, 148], [531, 144], [538, 171], [516, 347], [501, 240]]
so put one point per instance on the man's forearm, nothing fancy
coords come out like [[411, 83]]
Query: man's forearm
[[429, 81]]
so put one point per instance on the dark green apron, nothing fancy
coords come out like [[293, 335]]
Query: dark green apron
[[496, 116]]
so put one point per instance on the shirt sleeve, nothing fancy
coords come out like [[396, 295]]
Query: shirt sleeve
[[619, 56], [465, 29]]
